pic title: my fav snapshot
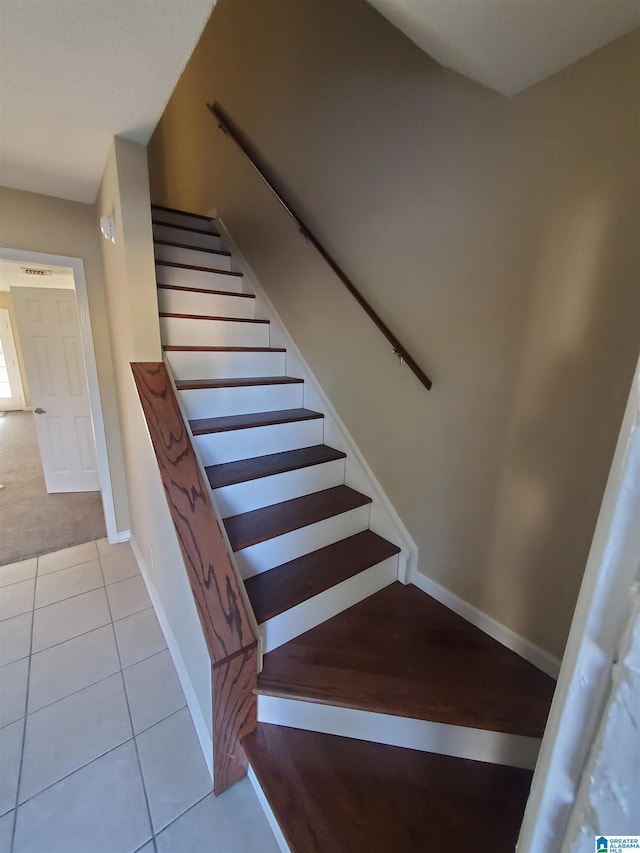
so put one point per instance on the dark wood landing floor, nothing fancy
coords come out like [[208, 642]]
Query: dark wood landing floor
[[401, 652], [336, 795]]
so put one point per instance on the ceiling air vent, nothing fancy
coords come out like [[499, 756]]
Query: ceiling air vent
[[33, 271]]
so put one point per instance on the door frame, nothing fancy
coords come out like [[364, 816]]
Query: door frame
[[88, 351]]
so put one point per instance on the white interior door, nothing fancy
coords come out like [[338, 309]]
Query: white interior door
[[47, 321], [11, 392]]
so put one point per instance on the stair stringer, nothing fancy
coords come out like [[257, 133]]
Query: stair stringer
[[384, 519]]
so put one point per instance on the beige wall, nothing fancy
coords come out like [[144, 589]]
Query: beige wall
[[494, 236], [38, 223], [133, 319], [7, 302]]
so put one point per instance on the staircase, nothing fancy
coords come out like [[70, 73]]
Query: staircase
[[385, 720]]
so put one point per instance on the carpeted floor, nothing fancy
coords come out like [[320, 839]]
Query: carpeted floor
[[32, 521]]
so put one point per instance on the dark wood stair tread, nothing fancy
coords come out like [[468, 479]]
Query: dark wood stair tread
[[279, 589], [179, 348], [160, 242], [161, 263], [401, 652], [342, 795], [228, 473], [241, 382], [180, 212], [213, 317], [165, 224], [255, 419], [206, 290], [265, 523]]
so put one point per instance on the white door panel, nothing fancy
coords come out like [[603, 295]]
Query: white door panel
[[50, 336]]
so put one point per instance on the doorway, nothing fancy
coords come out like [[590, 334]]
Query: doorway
[[30, 513]]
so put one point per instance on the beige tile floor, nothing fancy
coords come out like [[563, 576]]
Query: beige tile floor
[[98, 752]]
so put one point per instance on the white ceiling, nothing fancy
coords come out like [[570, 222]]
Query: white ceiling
[[75, 73], [509, 45], [12, 274]]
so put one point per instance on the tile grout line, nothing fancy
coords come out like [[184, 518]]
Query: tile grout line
[[186, 811], [91, 630], [24, 721], [91, 684], [135, 742], [102, 755], [120, 672]]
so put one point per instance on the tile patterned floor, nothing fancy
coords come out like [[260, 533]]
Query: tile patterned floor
[[98, 753]]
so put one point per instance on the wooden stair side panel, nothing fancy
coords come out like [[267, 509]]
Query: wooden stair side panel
[[227, 624], [234, 715]]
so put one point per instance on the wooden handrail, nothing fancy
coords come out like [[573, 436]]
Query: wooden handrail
[[226, 127], [227, 624]]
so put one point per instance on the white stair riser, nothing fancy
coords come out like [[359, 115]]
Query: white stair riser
[[192, 256], [327, 604], [267, 555], [185, 219], [457, 741], [185, 331], [211, 304], [218, 402], [243, 497], [192, 238], [237, 444], [220, 365], [198, 278]]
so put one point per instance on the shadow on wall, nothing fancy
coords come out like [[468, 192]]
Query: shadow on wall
[[544, 500]]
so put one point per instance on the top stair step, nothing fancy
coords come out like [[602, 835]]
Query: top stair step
[[173, 216], [162, 223], [198, 237], [401, 652]]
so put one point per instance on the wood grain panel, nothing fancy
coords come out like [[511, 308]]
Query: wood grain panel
[[227, 625], [219, 599], [234, 715]]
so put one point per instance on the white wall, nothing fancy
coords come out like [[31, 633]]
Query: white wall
[[133, 319]]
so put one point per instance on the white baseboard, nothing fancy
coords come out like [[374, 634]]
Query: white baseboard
[[119, 536], [526, 649], [424, 735], [202, 731], [384, 519], [268, 811]]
